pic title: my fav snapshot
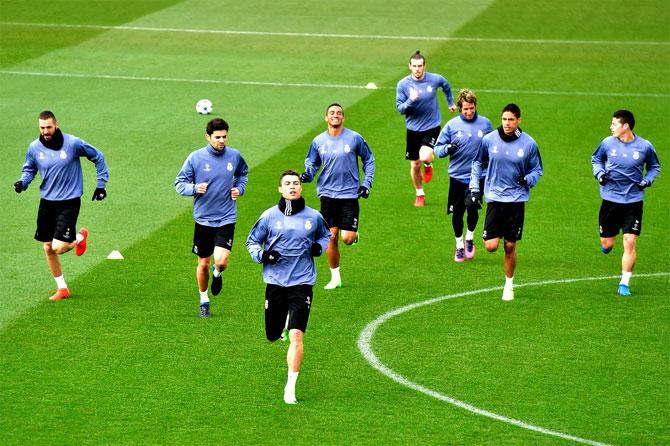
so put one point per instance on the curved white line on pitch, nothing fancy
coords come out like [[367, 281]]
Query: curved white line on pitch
[[365, 339]]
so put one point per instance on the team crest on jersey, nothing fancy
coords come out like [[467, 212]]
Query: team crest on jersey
[[613, 152], [429, 89], [207, 168], [322, 149], [495, 149], [41, 155], [278, 225], [63, 155], [636, 155], [229, 167], [459, 134], [308, 224], [480, 133], [519, 153], [347, 149]]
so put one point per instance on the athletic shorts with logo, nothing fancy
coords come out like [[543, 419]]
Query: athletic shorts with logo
[[417, 139], [340, 213], [615, 217], [57, 220], [292, 301], [205, 238], [504, 220]]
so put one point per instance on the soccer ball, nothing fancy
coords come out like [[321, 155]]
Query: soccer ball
[[204, 106]]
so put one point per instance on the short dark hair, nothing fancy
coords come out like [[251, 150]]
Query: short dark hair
[[334, 104], [512, 108], [625, 117], [417, 56], [46, 114], [287, 173], [216, 124]]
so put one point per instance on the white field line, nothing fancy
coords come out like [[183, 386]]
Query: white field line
[[313, 85], [365, 347], [338, 36]]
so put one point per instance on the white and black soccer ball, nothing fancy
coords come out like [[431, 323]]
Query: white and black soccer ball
[[204, 106]]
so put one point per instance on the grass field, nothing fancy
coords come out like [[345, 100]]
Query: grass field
[[127, 360]]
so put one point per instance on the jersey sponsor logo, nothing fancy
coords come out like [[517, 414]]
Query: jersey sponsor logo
[[519, 153], [347, 149], [63, 154], [308, 224], [207, 168], [229, 167]]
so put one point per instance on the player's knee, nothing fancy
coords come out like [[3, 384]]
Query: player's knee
[[491, 245], [348, 237]]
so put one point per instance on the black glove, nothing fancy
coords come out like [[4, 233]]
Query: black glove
[[316, 250], [603, 179], [363, 192], [521, 180], [270, 257], [18, 187], [99, 194], [476, 198], [642, 185], [304, 178], [452, 148]]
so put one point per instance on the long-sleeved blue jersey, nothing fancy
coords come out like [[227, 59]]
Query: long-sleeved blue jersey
[[624, 162], [222, 171], [338, 157], [423, 113], [62, 178], [504, 162], [468, 135], [292, 236]]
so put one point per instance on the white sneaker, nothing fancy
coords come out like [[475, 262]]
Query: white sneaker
[[508, 294], [333, 284], [289, 396]]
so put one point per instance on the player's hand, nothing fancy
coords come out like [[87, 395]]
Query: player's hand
[[200, 188], [476, 198], [304, 178], [18, 186], [521, 181], [603, 179], [452, 148], [99, 194], [363, 192], [642, 185], [413, 94], [234, 193], [315, 250], [270, 257]]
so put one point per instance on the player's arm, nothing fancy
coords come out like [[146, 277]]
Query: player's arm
[[368, 160], [257, 236], [653, 167], [312, 163], [478, 165], [403, 103], [446, 88], [28, 172], [96, 157], [322, 233], [444, 146], [598, 160], [185, 181], [533, 167], [241, 177]]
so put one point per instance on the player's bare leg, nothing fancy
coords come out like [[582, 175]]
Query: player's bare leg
[[509, 264], [293, 360], [415, 175], [56, 271], [627, 263], [202, 277], [333, 254]]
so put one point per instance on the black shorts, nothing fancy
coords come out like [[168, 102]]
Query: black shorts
[[614, 217], [294, 301], [504, 220], [341, 213], [417, 139], [57, 220], [459, 197], [205, 238]]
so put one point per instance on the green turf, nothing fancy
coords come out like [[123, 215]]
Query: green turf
[[127, 361]]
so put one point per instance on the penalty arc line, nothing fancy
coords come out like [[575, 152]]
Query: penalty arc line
[[311, 85], [365, 347]]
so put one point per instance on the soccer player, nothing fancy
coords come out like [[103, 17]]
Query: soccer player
[[285, 239], [215, 176], [460, 140], [336, 152], [416, 98], [618, 165], [513, 166], [55, 155]]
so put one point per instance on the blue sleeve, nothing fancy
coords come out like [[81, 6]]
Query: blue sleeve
[[257, 237], [97, 158], [368, 162], [322, 234], [312, 161], [29, 169], [402, 101], [241, 176], [480, 163], [185, 181], [598, 160], [442, 141], [447, 92], [653, 165], [533, 167]]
